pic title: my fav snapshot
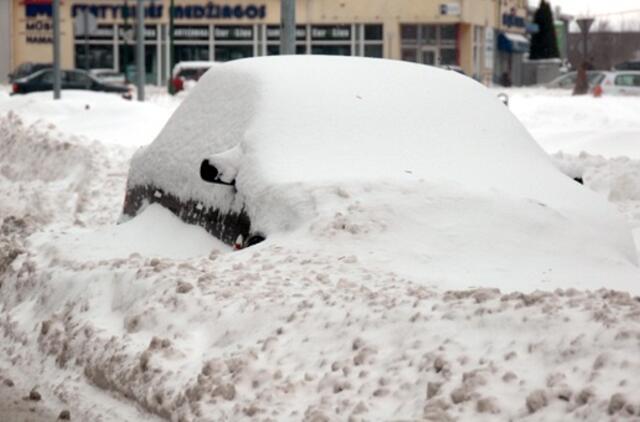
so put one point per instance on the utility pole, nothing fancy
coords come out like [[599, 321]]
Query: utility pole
[[287, 27], [582, 80], [85, 22], [585, 26], [171, 48], [140, 70], [56, 50]]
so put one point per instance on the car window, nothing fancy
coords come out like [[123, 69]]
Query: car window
[[108, 74], [567, 81], [628, 80], [45, 77], [78, 78], [596, 79], [192, 73]]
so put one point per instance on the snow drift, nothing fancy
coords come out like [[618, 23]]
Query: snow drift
[[389, 153]]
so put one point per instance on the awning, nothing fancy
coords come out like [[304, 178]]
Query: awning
[[513, 43]]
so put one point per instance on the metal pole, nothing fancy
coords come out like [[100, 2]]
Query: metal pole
[[140, 71], [85, 17], [171, 48], [56, 50], [287, 26]]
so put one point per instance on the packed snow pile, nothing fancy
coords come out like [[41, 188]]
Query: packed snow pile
[[370, 152], [608, 126], [616, 179], [360, 311], [94, 115]]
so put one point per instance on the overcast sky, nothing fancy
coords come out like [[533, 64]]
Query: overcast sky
[[576, 7], [606, 12]]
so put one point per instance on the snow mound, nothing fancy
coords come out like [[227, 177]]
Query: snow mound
[[155, 232], [94, 115], [381, 154], [609, 126]]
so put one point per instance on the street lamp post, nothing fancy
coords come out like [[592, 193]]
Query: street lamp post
[[582, 81], [56, 50], [140, 70], [287, 26]]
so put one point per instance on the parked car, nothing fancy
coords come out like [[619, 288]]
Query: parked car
[[628, 65], [70, 79], [261, 147], [568, 81], [618, 83], [109, 76], [26, 69], [186, 73]]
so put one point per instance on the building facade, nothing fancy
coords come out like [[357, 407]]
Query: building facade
[[438, 32], [513, 45]]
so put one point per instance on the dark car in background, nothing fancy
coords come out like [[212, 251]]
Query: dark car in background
[[26, 69], [628, 65], [70, 79]]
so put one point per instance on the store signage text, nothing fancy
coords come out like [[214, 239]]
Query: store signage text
[[450, 9], [207, 10], [510, 20]]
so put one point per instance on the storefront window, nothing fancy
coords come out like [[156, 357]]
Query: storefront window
[[373, 33], [430, 44], [331, 50], [225, 53], [233, 42], [409, 55], [274, 50], [185, 53], [429, 34], [409, 32], [191, 43], [449, 56], [99, 57], [448, 33], [373, 51]]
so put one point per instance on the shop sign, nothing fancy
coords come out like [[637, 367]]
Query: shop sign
[[331, 33], [233, 33], [450, 9], [511, 19], [207, 10], [273, 32], [191, 32], [38, 26]]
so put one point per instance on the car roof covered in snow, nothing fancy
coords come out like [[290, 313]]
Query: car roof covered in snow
[[287, 127], [334, 118]]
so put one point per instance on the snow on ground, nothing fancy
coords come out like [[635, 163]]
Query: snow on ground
[[607, 126], [95, 115], [285, 330]]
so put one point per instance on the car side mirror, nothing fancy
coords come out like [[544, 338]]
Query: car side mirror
[[504, 98], [209, 173]]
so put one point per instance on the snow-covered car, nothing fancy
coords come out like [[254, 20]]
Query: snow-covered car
[[568, 81], [618, 83], [109, 76], [429, 160], [187, 74]]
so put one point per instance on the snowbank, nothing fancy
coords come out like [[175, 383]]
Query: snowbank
[[94, 115], [608, 126], [316, 323], [419, 169]]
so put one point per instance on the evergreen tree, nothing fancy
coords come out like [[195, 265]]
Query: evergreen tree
[[543, 43]]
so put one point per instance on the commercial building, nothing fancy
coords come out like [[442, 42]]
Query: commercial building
[[438, 32]]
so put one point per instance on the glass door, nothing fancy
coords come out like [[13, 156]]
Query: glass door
[[428, 56]]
